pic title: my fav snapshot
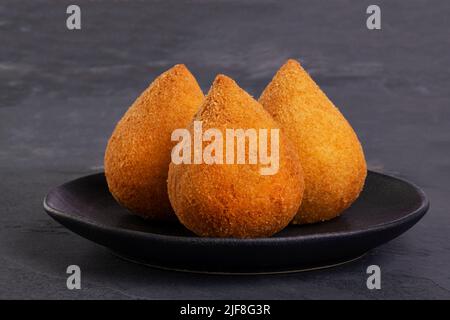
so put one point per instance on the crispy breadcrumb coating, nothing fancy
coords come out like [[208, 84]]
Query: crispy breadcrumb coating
[[138, 153], [235, 200], [330, 153]]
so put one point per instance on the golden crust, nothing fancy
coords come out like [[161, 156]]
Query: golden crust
[[137, 156], [231, 200], [330, 153]]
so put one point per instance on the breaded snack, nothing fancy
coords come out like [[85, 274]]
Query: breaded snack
[[230, 199], [330, 153], [138, 153]]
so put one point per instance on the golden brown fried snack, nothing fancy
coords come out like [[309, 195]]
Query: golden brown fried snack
[[138, 153], [330, 153], [235, 200]]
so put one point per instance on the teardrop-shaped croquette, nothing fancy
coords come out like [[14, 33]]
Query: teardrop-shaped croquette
[[138, 153], [330, 152], [230, 199]]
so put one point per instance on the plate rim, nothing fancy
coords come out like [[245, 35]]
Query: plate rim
[[418, 213], [242, 273]]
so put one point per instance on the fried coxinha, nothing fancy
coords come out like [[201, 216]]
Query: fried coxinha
[[236, 200], [329, 150], [137, 156]]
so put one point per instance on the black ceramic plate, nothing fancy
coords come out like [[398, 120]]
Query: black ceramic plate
[[386, 208]]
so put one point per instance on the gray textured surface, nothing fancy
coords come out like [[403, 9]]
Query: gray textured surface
[[61, 93]]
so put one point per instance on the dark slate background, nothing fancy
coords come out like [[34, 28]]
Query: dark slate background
[[62, 91]]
